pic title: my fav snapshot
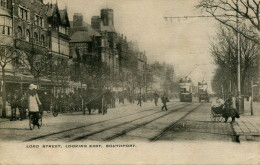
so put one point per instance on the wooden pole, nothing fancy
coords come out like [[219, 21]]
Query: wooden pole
[[252, 98]]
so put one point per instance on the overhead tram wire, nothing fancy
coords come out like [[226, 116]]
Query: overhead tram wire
[[195, 16]]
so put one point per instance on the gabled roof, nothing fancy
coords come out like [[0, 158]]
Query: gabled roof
[[64, 18], [51, 9]]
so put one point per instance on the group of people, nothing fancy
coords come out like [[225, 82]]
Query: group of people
[[156, 97], [227, 108]]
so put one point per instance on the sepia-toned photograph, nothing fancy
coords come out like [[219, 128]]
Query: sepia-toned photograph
[[129, 82]]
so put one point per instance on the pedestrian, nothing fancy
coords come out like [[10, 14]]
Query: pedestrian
[[20, 105], [156, 97], [139, 99], [164, 101], [33, 104], [13, 100], [230, 109]]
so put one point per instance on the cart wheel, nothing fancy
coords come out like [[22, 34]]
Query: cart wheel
[[31, 125]]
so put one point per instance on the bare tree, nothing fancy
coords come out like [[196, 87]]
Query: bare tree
[[224, 53], [60, 74], [35, 58], [226, 11], [8, 55]]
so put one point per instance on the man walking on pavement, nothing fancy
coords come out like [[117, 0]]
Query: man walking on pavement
[[20, 105], [164, 101], [139, 99], [13, 100], [156, 97]]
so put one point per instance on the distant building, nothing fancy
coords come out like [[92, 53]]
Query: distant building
[[104, 24], [85, 45]]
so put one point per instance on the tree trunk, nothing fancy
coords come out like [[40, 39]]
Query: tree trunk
[[3, 93], [37, 82]]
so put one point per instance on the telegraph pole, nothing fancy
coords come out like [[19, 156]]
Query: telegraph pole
[[238, 66]]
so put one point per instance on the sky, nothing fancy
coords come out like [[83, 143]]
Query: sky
[[185, 43]]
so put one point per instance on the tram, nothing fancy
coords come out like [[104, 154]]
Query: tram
[[202, 91], [185, 90]]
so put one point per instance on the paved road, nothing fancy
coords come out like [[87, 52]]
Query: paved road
[[182, 121]]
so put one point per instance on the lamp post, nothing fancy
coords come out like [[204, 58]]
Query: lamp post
[[240, 109]]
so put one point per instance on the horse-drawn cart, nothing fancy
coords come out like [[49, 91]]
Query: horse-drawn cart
[[95, 99]]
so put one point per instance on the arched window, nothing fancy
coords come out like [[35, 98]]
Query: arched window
[[19, 32], [42, 38], [35, 36], [28, 35]]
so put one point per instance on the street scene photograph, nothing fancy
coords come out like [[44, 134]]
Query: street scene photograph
[[124, 71]]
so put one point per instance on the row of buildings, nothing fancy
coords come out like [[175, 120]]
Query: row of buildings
[[81, 54]]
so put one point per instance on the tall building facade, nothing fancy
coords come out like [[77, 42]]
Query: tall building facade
[[104, 24], [35, 29]]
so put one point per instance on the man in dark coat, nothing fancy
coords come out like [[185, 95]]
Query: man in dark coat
[[14, 101], [139, 99], [164, 101], [230, 109], [156, 97], [21, 107]]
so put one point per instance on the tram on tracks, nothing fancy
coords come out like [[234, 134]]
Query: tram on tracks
[[202, 91], [185, 90]]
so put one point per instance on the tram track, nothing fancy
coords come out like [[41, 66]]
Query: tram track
[[173, 124], [125, 131], [91, 124]]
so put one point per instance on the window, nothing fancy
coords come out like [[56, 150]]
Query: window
[[28, 35], [42, 39], [38, 20], [23, 13], [19, 32], [3, 30], [103, 42], [5, 26], [3, 3], [35, 35]]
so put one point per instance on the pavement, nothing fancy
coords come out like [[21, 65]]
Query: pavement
[[247, 127], [119, 106]]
